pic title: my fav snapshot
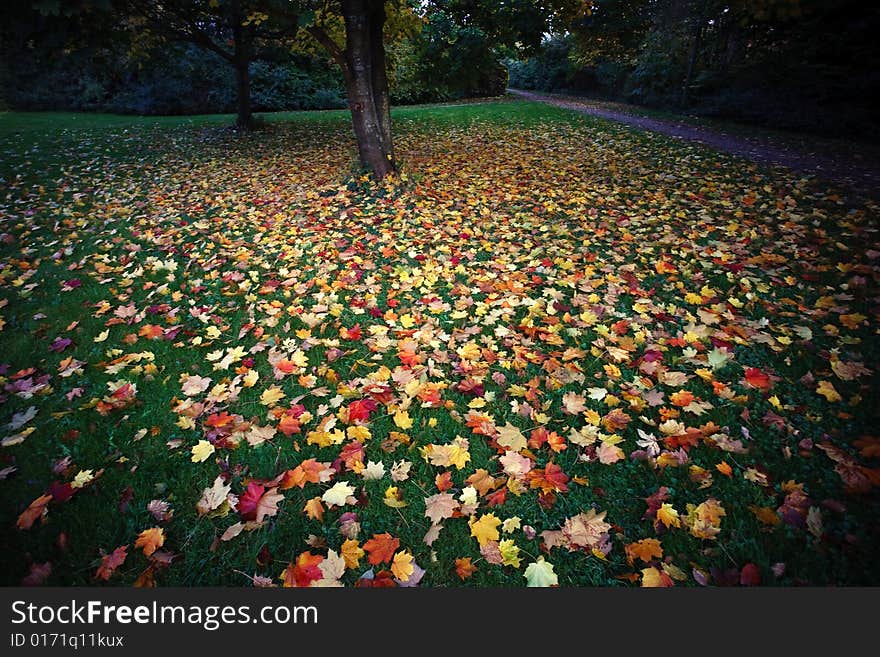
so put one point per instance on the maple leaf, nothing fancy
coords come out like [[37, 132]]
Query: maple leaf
[[452, 454], [332, 570], [550, 478], [750, 575], [464, 568], [654, 578], [36, 509], [232, 531], [402, 565], [258, 435], [314, 509], [509, 553], [609, 454], [704, 520], [403, 421], [195, 385], [373, 471], [338, 494], [540, 573], [515, 465], [22, 418], [573, 403], [755, 378], [110, 562], [394, 498], [304, 571], [486, 528], [257, 502], [482, 481], [351, 552], [150, 540], [309, 471], [432, 534], [201, 451], [381, 548], [271, 396], [38, 574], [826, 389], [586, 530], [511, 438], [682, 398], [439, 507], [645, 549], [668, 516], [213, 497], [443, 481]]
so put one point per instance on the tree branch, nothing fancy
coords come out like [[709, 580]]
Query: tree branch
[[321, 36]]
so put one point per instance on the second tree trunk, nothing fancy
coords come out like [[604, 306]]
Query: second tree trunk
[[367, 84]]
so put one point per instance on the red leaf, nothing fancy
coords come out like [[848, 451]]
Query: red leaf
[[112, 561], [750, 575], [305, 571]]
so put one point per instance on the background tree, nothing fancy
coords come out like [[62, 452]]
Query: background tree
[[235, 30]]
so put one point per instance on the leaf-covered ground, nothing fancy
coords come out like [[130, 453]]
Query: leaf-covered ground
[[554, 350]]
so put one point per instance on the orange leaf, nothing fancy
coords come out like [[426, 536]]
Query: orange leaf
[[464, 568], [150, 540], [307, 472], [381, 548], [681, 398], [646, 549], [482, 481], [724, 469], [35, 510], [443, 481], [314, 509]]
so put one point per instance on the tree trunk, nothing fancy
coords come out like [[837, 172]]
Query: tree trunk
[[696, 40], [244, 120], [367, 84], [241, 61]]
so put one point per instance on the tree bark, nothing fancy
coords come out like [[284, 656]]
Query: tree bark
[[241, 62], [244, 119], [367, 84]]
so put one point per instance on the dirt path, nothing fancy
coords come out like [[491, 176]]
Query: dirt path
[[841, 168]]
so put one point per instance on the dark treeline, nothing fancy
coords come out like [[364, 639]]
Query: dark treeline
[[799, 64], [90, 60]]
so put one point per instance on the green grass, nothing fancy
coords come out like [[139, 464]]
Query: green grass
[[492, 195]]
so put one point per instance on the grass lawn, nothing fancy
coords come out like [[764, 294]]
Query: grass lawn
[[554, 349]]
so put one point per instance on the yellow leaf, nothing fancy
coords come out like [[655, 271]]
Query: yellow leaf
[[509, 553], [82, 478], [653, 578], [402, 566], [201, 451], [402, 420], [352, 553], [668, 516], [271, 396], [826, 389], [486, 528]]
